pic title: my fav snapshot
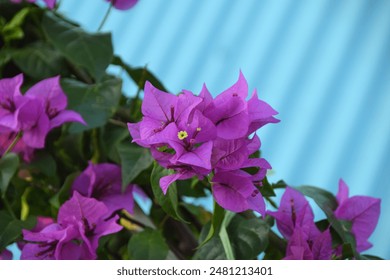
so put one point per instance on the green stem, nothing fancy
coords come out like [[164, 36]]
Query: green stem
[[105, 18], [12, 145]]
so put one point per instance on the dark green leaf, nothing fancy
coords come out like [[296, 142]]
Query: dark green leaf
[[40, 61], [323, 198], [139, 75], [213, 249], [248, 237], [266, 189], [64, 193], [369, 257], [134, 160], [169, 202], [148, 245], [93, 52], [45, 163], [279, 185], [216, 222], [11, 229], [112, 135], [96, 103], [8, 166], [199, 212]]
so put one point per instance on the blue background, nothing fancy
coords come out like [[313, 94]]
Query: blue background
[[323, 64]]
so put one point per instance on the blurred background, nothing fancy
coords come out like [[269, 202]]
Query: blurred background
[[324, 65]]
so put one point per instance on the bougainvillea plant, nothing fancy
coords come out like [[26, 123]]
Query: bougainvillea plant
[[88, 173]]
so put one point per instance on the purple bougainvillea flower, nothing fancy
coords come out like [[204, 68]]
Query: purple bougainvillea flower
[[300, 248], [229, 154], [41, 109], [295, 221], [87, 215], [362, 211], [42, 222], [234, 191], [54, 242], [10, 99], [34, 123], [260, 113], [160, 109], [294, 211], [185, 138], [123, 4], [49, 3], [197, 135], [20, 148], [229, 111], [6, 255], [76, 234], [104, 183], [234, 154], [54, 101]]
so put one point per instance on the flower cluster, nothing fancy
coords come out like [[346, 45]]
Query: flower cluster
[[80, 224], [104, 183], [34, 114], [199, 135], [82, 220], [295, 221]]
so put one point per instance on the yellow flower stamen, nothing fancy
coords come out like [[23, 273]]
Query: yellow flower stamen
[[182, 134]]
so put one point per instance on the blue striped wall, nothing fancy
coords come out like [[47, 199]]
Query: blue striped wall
[[323, 64]]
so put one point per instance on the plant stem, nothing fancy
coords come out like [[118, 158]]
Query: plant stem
[[13, 143], [105, 18]]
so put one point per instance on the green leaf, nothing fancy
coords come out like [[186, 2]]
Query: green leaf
[[248, 237], [40, 61], [212, 250], [369, 257], [8, 166], [134, 160], [63, 194], [323, 198], [96, 103], [93, 52], [148, 245], [44, 162], [12, 30], [10, 229], [112, 136], [5, 56], [216, 222], [266, 189], [139, 75], [169, 202]]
